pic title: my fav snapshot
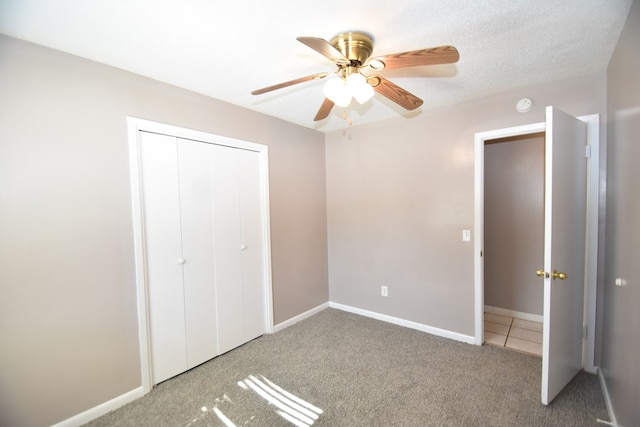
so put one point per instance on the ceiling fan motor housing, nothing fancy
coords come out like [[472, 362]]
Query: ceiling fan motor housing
[[356, 46]]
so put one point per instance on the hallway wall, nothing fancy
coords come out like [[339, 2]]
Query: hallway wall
[[514, 223]]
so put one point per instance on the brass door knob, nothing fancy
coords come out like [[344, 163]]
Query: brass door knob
[[540, 273], [561, 276]]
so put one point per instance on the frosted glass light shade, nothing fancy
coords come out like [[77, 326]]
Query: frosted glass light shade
[[336, 90], [359, 88], [341, 91]]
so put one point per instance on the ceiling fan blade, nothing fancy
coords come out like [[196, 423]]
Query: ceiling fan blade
[[430, 56], [290, 83], [324, 110], [324, 48], [395, 93]]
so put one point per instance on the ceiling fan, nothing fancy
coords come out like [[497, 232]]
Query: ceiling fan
[[355, 76]]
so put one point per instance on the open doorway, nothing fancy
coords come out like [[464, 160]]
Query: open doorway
[[570, 248], [514, 241], [592, 207]]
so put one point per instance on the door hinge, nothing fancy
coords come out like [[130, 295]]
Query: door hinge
[[585, 331], [587, 151]]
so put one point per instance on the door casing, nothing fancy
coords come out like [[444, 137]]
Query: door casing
[[591, 261]]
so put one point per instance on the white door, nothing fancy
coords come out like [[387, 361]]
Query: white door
[[204, 250], [564, 252], [197, 205], [252, 240], [222, 242], [238, 246], [163, 254]]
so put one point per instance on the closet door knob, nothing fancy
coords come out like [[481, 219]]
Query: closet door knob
[[181, 261], [243, 247]]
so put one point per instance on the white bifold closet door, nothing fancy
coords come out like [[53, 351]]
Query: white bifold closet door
[[203, 236]]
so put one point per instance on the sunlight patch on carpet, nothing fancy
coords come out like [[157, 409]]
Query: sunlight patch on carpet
[[285, 404], [290, 407]]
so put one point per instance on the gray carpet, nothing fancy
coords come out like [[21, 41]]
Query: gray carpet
[[356, 371]]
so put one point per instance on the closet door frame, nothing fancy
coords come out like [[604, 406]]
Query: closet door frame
[[135, 126]]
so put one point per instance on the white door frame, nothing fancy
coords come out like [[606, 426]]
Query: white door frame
[[591, 251], [135, 126]]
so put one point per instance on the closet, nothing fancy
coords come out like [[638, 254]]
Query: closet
[[203, 238]]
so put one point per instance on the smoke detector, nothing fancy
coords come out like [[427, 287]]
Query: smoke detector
[[524, 105]]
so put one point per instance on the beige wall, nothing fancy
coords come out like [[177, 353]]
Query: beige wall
[[400, 192], [514, 223], [68, 326], [621, 323]]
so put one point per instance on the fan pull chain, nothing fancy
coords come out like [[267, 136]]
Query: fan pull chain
[[347, 116]]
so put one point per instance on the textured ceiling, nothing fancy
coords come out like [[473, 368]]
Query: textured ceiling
[[227, 49]]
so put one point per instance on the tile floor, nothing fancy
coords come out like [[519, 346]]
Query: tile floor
[[513, 333]]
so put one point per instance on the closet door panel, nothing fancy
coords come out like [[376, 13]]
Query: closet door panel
[[162, 234], [227, 249], [196, 205], [251, 225]]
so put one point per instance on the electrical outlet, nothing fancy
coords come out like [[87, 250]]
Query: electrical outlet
[[466, 235], [384, 291]]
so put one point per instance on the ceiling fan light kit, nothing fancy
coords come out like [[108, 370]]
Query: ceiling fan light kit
[[342, 90], [350, 52]]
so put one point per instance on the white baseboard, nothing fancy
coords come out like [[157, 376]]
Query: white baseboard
[[406, 323], [299, 317], [607, 399], [100, 410], [512, 313]]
